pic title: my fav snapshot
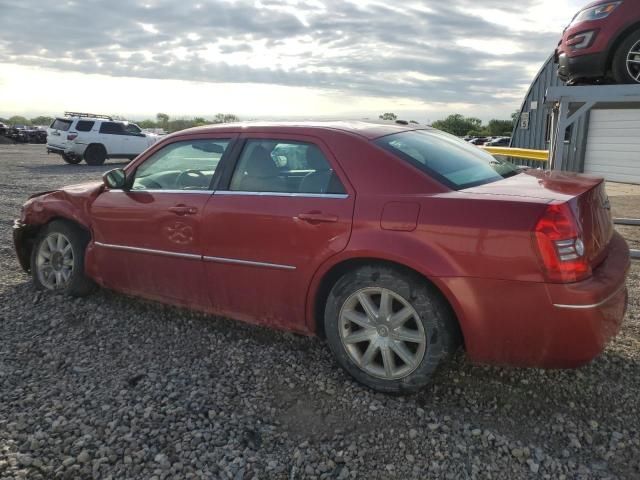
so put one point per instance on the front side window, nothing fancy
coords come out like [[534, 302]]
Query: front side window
[[284, 166], [188, 165], [446, 158], [132, 129]]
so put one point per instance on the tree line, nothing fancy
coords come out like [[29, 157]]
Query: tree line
[[168, 124], [456, 124], [459, 125]]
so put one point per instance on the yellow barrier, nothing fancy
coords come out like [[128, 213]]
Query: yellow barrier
[[540, 155]]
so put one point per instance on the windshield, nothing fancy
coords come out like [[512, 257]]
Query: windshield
[[446, 158]]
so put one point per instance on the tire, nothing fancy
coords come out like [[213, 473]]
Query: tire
[[71, 160], [63, 270], [429, 333], [624, 66], [95, 154]]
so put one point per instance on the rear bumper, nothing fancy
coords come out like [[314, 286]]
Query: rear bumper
[[74, 149], [590, 66], [543, 325]]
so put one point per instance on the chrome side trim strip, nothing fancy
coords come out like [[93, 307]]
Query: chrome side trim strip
[[247, 262], [189, 256], [282, 194], [159, 190], [594, 305]]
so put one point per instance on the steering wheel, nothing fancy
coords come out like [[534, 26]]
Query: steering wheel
[[191, 178]]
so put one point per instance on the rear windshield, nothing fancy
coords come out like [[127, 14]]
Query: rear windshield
[[61, 124], [446, 158]]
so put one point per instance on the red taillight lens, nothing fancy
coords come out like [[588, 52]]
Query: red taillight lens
[[72, 136], [560, 245]]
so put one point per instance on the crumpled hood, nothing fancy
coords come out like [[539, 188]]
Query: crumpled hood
[[72, 202], [78, 189]]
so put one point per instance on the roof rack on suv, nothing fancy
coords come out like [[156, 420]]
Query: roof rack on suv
[[87, 115]]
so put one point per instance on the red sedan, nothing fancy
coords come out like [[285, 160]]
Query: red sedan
[[398, 244]]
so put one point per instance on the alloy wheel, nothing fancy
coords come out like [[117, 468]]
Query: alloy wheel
[[382, 333], [633, 62], [54, 261]]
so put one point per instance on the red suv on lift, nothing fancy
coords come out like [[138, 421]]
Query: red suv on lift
[[391, 241], [602, 41]]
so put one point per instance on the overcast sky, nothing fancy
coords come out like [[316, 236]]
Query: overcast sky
[[279, 59]]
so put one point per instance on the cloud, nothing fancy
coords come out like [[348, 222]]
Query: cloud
[[430, 51]]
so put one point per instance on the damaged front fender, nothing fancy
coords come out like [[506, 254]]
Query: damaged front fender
[[72, 203]]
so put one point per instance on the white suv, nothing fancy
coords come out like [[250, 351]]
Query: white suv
[[94, 138]]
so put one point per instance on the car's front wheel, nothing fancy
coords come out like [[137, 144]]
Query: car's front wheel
[[626, 60], [57, 259], [388, 328]]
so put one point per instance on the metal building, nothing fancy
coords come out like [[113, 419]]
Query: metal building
[[597, 127], [533, 128]]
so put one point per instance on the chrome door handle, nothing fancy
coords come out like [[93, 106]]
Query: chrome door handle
[[183, 210], [318, 217]]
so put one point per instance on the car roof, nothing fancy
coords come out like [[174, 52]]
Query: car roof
[[366, 129]]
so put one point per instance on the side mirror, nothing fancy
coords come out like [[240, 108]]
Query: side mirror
[[115, 179]]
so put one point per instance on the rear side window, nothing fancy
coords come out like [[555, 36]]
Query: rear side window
[[84, 125], [284, 166], [61, 124], [446, 158], [112, 128]]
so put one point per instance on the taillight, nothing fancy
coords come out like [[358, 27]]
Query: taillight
[[72, 136], [561, 246]]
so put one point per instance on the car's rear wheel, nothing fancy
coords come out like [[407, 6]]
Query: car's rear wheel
[[57, 259], [71, 159], [388, 328], [626, 60], [95, 154]]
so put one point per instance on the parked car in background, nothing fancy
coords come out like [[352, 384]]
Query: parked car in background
[[390, 241], [94, 138], [478, 141], [601, 42], [3, 129], [18, 133], [30, 134], [40, 134], [499, 142]]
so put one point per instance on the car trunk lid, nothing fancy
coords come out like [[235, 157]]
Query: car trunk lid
[[585, 195]]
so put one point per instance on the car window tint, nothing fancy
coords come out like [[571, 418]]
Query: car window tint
[[284, 166], [446, 158], [112, 128], [84, 125], [61, 124], [188, 165]]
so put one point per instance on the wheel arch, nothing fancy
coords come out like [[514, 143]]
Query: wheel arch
[[331, 276], [26, 241], [613, 47]]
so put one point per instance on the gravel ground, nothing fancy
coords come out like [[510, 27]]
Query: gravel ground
[[114, 387]]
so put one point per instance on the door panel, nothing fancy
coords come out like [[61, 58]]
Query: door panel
[[148, 239], [155, 239], [287, 250], [262, 248]]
